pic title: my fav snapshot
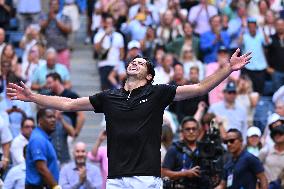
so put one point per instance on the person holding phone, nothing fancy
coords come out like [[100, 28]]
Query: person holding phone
[[79, 173], [108, 50]]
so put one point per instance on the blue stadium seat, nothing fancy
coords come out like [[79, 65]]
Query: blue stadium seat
[[264, 108], [14, 37], [19, 52], [14, 24]]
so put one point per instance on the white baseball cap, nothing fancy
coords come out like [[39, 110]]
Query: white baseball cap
[[252, 131], [273, 118], [133, 44]]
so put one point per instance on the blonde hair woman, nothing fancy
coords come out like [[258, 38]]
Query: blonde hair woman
[[188, 59], [246, 97]]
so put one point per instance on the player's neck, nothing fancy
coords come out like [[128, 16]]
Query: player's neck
[[133, 83]]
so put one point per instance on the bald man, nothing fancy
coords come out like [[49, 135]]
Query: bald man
[[80, 173]]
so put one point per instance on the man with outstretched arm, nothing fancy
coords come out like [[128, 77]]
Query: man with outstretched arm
[[134, 116]]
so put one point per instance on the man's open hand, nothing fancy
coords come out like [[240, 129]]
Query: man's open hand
[[238, 62], [19, 92]]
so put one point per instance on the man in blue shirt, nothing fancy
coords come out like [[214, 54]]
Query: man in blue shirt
[[41, 161], [253, 41], [244, 169], [211, 41]]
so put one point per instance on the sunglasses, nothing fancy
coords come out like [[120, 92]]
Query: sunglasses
[[232, 92], [230, 141], [273, 133], [190, 129]]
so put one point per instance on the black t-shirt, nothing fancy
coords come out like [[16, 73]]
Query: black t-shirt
[[186, 107], [69, 94], [275, 54], [134, 120]]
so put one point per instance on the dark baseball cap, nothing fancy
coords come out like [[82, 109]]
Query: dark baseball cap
[[222, 48], [277, 130], [230, 87]]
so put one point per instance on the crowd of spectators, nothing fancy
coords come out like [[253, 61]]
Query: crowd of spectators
[[187, 40], [190, 40]]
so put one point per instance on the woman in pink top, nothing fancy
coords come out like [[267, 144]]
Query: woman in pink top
[[216, 95], [99, 154]]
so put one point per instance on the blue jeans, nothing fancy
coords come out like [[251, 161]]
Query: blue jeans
[[135, 182], [277, 80]]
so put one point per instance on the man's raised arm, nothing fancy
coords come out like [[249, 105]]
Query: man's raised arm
[[23, 93], [210, 82]]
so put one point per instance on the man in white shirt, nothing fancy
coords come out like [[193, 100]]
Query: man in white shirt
[[28, 12], [199, 15], [21, 141], [165, 71], [16, 176], [232, 114], [109, 50], [5, 139]]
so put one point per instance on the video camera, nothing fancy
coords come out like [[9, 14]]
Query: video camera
[[210, 156]]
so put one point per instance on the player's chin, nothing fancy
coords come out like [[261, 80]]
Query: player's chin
[[231, 149], [52, 127], [132, 72]]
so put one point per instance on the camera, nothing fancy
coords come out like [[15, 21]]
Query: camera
[[210, 156]]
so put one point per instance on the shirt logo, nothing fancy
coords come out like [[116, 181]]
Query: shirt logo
[[142, 101]]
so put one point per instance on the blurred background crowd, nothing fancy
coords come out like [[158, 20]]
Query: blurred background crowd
[[187, 40]]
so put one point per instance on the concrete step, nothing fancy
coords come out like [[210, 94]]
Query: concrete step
[[85, 81]]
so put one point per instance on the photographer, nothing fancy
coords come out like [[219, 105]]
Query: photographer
[[179, 164], [109, 50]]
